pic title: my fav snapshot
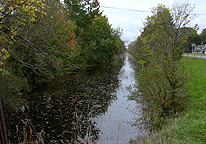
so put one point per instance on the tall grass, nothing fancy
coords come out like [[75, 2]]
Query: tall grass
[[28, 134], [189, 127]]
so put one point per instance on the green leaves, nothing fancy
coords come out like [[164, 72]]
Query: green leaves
[[11, 8], [18, 13], [39, 50], [203, 36], [162, 80], [99, 43]]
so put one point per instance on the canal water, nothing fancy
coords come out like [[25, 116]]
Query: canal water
[[118, 124], [81, 108]]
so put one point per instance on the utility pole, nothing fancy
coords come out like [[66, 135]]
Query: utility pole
[[2, 128]]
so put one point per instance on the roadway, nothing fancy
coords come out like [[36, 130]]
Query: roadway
[[195, 56]]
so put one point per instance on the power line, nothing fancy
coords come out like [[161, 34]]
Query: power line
[[124, 9], [136, 10], [200, 14]]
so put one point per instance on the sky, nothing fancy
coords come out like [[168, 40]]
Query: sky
[[132, 21]]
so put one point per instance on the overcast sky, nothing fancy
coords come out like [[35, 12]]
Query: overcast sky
[[131, 21]]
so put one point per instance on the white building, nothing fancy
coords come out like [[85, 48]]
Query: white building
[[199, 49]]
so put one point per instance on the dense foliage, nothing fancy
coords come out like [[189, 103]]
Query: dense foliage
[[192, 37], [44, 39], [162, 79], [203, 36], [99, 43]]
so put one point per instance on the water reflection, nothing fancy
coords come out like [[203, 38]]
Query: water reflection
[[81, 108], [64, 108], [118, 124]]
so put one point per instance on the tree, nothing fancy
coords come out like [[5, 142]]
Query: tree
[[203, 36], [83, 12], [45, 48], [3, 56], [98, 41], [39, 50], [103, 42], [162, 78], [13, 16], [192, 37], [122, 47]]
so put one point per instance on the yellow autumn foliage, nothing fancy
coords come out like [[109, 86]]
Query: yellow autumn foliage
[[27, 9]]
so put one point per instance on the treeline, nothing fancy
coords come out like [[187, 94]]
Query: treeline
[[44, 39], [192, 37], [162, 79]]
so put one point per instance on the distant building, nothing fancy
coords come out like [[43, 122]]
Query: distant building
[[199, 49]]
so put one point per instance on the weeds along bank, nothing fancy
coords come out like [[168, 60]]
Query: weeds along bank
[[188, 126]]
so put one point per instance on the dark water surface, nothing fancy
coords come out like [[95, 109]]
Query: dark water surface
[[81, 108]]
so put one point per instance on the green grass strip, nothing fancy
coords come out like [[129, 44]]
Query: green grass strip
[[190, 126]]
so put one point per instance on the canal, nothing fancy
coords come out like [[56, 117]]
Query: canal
[[81, 108]]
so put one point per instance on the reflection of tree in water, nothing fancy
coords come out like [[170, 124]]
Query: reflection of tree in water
[[64, 108]]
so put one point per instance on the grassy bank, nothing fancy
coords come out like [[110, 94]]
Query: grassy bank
[[190, 126]]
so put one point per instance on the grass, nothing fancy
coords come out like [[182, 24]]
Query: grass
[[190, 126]]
